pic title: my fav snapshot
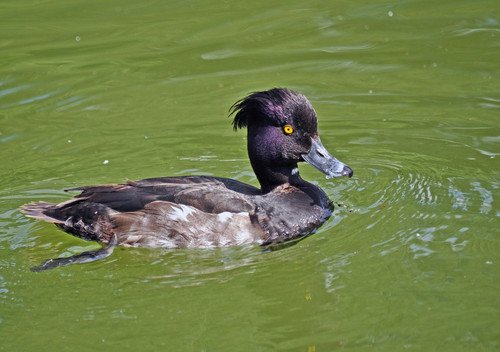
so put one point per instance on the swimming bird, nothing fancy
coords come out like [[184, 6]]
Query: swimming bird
[[206, 211]]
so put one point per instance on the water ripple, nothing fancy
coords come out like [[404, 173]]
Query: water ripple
[[458, 198], [334, 267], [413, 207], [32, 98], [305, 65], [345, 48], [219, 54], [467, 31], [12, 90], [486, 196]]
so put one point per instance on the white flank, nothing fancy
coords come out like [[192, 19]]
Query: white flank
[[244, 237], [181, 212], [224, 216]]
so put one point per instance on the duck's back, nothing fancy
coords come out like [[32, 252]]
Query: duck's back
[[209, 194]]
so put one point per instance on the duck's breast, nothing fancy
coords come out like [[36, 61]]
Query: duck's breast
[[288, 213]]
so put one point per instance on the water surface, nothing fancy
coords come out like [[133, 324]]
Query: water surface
[[407, 94]]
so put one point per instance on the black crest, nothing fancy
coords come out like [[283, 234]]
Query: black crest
[[276, 104]]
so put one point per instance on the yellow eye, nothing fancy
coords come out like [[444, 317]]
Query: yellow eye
[[288, 129]]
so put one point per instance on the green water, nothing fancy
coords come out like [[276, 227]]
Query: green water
[[408, 95]]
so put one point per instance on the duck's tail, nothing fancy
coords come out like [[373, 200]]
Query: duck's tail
[[41, 211]]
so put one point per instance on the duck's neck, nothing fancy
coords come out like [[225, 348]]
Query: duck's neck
[[272, 176]]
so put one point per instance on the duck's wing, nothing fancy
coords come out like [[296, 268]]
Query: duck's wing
[[208, 194]]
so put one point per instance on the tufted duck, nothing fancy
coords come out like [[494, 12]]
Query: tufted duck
[[203, 211]]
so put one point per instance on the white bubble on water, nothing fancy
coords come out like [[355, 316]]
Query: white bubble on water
[[390, 13], [77, 38], [106, 162]]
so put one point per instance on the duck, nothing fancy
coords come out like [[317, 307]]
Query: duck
[[208, 211]]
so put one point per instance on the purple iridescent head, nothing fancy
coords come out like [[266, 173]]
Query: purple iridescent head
[[277, 106], [282, 131]]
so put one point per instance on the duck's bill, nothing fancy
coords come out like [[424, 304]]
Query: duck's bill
[[319, 157]]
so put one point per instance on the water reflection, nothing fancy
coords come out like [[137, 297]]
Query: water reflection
[[334, 268], [183, 268]]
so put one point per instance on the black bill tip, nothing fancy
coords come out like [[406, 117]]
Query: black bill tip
[[347, 171]]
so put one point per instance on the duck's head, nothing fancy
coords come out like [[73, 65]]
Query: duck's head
[[282, 131]]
